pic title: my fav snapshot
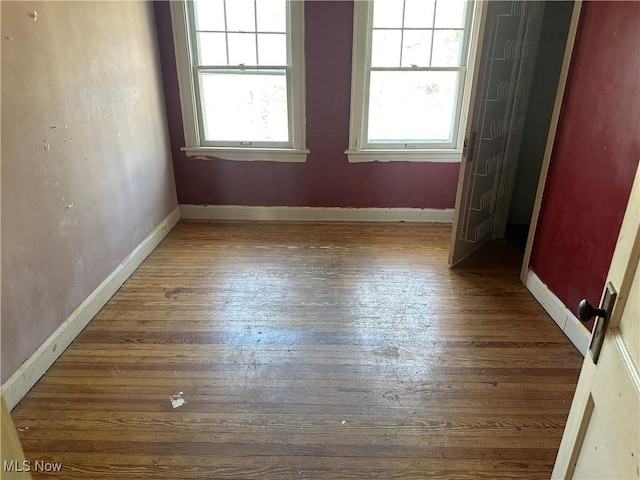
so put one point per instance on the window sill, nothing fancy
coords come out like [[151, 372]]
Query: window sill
[[248, 154], [440, 156]]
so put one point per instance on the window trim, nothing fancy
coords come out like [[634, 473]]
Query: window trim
[[362, 36], [296, 150]]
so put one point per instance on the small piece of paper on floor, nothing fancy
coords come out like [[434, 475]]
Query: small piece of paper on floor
[[177, 400]]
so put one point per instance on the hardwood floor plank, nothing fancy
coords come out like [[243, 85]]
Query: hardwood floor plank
[[87, 464], [454, 423], [324, 351]]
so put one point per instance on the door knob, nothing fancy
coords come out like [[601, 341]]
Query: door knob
[[586, 311]]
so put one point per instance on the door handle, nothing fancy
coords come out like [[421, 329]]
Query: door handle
[[586, 312]]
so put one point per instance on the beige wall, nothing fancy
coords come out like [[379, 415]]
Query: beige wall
[[86, 168]]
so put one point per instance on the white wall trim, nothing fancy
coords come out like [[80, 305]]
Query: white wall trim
[[17, 386], [560, 314], [247, 154], [577, 333], [405, 155], [315, 214]]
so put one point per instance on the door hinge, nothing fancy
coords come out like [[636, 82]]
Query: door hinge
[[469, 146]]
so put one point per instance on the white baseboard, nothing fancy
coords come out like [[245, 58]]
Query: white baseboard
[[39, 362], [577, 333], [316, 214], [566, 320], [552, 304]]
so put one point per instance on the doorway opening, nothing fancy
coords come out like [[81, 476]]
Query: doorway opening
[[517, 74], [553, 39]]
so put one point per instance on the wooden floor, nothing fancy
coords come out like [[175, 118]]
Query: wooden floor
[[318, 351]]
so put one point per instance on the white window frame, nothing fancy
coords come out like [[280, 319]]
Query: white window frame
[[359, 150], [295, 150]]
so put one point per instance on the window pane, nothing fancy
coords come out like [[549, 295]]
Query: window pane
[[272, 49], [450, 13], [418, 13], [416, 48], [387, 14], [412, 106], [385, 48], [242, 48], [245, 106], [272, 15], [212, 49], [446, 48], [240, 16], [209, 15]]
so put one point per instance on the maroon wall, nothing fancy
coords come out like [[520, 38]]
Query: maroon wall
[[326, 179], [595, 155]]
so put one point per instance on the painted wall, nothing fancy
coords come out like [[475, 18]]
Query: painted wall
[[595, 155], [553, 38], [326, 179], [86, 169]]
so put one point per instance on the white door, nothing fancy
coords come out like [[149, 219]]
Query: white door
[[602, 436], [509, 33]]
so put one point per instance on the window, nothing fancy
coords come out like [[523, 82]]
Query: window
[[241, 75], [408, 80]]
